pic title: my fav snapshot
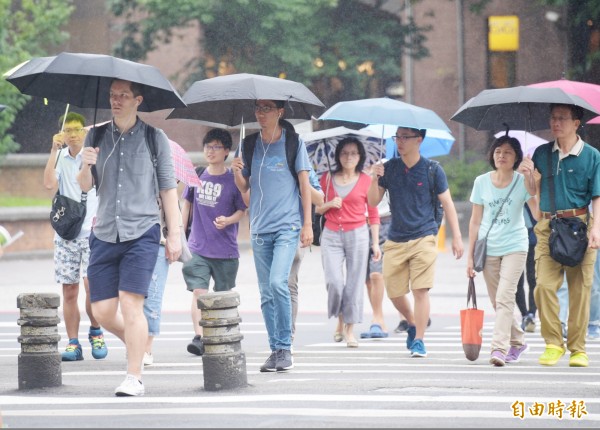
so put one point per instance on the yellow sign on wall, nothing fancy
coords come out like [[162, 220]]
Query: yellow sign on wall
[[503, 33]]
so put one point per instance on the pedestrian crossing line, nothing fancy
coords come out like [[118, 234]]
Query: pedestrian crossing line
[[358, 414], [423, 370], [276, 398]]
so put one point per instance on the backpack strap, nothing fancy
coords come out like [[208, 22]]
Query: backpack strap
[[292, 141], [99, 132], [151, 144]]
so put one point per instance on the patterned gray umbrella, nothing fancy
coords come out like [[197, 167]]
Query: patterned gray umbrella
[[521, 108]]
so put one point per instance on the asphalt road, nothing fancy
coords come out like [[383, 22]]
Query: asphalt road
[[331, 386]]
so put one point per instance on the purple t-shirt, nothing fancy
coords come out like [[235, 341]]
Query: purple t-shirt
[[217, 196]]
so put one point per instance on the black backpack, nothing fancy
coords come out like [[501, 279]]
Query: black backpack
[[150, 143], [438, 210], [292, 140]]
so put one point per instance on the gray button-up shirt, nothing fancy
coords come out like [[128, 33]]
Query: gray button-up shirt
[[127, 199]]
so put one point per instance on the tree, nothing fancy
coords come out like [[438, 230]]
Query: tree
[[28, 28], [342, 49]]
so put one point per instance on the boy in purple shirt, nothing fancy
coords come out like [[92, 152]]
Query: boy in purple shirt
[[217, 207]]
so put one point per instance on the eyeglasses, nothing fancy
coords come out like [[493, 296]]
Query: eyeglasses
[[264, 109], [349, 154], [72, 130], [214, 148], [404, 138], [560, 119]]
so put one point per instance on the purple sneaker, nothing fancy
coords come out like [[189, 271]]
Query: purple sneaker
[[515, 353], [497, 358]]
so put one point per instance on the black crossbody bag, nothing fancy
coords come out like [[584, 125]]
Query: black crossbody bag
[[568, 240]]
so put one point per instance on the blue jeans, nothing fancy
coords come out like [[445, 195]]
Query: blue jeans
[[595, 296], [273, 257], [153, 301], [563, 302]]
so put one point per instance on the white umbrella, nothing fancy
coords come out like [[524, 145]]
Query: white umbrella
[[528, 141]]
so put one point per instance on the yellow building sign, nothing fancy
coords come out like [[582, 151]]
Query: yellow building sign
[[503, 33]]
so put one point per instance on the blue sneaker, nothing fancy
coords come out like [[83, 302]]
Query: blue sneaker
[[99, 349], [411, 332], [73, 352], [418, 349]]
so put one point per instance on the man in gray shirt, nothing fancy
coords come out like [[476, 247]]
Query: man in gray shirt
[[126, 234]]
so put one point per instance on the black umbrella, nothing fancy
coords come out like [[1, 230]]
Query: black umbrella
[[521, 108], [84, 80], [229, 100]]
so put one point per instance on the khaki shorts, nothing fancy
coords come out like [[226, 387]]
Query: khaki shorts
[[409, 265]]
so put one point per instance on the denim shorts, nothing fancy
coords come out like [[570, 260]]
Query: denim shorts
[[198, 271], [123, 266]]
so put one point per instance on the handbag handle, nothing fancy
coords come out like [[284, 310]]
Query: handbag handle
[[500, 209], [471, 293]]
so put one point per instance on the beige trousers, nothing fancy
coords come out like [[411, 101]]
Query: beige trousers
[[549, 277], [501, 276]]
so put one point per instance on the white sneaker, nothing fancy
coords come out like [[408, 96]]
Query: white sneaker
[[131, 386], [148, 358]]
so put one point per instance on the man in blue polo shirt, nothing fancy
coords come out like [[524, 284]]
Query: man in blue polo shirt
[[576, 170], [410, 252]]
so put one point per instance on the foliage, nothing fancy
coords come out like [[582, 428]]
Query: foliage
[[462, 174], [28, 28], [14, 201], [342, 49]]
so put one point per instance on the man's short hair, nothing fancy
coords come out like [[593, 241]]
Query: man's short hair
[[421, 132], [135, 88], [576, 111], [279, 103], [71, 117]]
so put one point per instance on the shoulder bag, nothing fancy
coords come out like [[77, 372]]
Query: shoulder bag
[[480, 248], [568, 239], [67, 215]]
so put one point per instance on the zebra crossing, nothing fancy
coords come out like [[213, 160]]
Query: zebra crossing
[[375, 385]]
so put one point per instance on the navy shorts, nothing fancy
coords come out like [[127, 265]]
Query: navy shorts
[[124, 266]]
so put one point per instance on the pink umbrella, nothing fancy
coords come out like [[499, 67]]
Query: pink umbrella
[[184, 168], [589, 92]]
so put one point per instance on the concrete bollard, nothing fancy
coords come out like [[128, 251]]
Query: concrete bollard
[[223, 361], [39, 360]]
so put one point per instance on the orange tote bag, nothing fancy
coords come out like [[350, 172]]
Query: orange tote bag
[[471, 325]]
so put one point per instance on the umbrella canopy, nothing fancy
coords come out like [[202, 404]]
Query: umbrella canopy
[[435, 144], [521, 108], [184, 168], [321, 145], [385, 111], [589, 92], [84, 80], [529, 142], [227, 101]]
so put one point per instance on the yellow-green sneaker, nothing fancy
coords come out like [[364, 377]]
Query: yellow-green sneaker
[[551, 355], [579, 359]]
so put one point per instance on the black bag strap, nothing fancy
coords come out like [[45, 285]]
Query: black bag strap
[[500, 208], [471, 293], [551, 185]]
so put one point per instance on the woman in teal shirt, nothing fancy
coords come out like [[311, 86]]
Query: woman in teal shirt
[[500, 195]]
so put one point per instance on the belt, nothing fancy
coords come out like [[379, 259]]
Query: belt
[[565, 213]]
